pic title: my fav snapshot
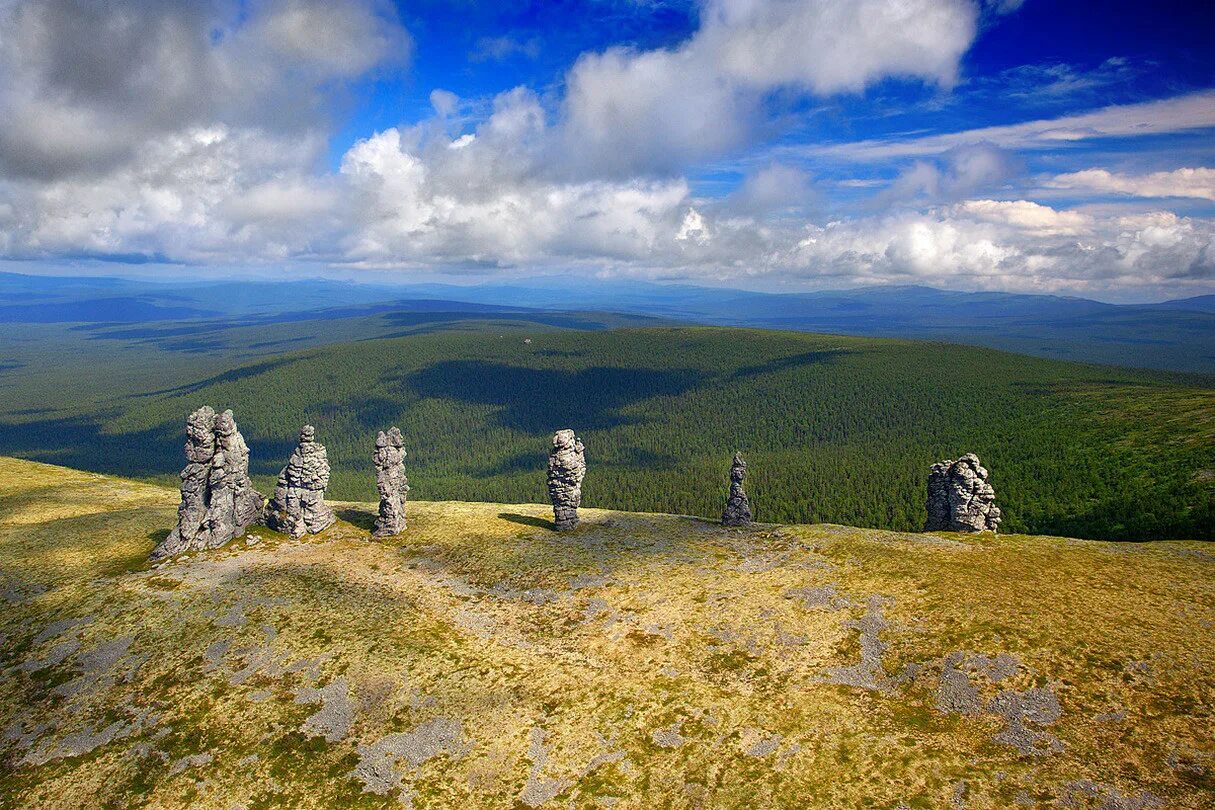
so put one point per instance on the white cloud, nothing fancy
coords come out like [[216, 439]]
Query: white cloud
[[173, 148], [774, 187], [1030, 217], [657, 110], [498, 49], [1197, 182], [1179, 114], [959, 172], [86, 84], [1019, 246], [830, 47], [422, 202]]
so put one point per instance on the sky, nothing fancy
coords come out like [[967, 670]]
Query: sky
[[1039, 146]]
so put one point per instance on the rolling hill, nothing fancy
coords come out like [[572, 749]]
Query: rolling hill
[[837, 429], [218, 315], [645, 660]]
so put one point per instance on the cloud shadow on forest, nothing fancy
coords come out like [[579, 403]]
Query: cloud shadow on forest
[[540, 400]]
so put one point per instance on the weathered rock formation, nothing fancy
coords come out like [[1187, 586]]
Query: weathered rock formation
[[390, 480], [298, 506], [738, 506], [566, 469], [960, 499], [218, 501]]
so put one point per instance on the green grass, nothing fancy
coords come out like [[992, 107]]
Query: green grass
[[836, 429]]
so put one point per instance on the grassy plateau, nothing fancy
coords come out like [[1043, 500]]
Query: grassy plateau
[[645, 660]]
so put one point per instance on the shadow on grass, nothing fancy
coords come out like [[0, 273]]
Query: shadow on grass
[[359, 518], [527, 520]]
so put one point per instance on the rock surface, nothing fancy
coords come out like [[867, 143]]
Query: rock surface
[[390, 480], [960, 499], [298, 506], [566, 469], [738, 506], [218, 501]]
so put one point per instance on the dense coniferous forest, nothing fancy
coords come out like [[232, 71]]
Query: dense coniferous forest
[[835, 429]]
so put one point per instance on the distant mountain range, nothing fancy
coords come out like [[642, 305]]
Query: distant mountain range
[[1174, 335]]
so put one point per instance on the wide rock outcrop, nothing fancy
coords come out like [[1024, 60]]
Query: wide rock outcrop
[[390, 480], [738, 505], [960, 498], [218, 501], [298, 506], [566, 469]]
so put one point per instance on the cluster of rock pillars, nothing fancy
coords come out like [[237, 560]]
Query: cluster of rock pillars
[[218, 500]]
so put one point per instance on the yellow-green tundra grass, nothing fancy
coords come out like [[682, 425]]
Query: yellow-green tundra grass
[[482, 660]]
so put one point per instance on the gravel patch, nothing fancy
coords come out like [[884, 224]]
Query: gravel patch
[[104, 656], [669, 737], [867, 673], [336, 715], [378, 762]]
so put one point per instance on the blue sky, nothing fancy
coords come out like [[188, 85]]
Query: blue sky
[[776, 144]]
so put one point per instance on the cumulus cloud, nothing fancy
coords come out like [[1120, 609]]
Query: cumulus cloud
[[206, 193], [774, 187], [959, 172], [1198, 183], [154, 133], [628, 110], [87, 84], [1011, 245]]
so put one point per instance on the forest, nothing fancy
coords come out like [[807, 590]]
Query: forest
[[835, 429]]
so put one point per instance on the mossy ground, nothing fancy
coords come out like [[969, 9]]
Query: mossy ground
[[482, 660]]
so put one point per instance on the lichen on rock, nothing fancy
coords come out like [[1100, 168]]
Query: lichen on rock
[[390, 480], [218, 501], [960, 497], [298, 506], [566, 469]]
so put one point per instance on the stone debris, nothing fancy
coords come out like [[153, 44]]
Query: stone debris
[[566, 469], [218, 501], [82, 742], [738, 505], [390, 480], [298, 506], [57, 627], [1026, 712], [956, 694], [336, 715], [1085, 792], [104, 656], [669, 737], [758, 743], [539, 790], [57, 655], [816, 598], [378, 762], [960, 499], [192, 761], [867, 673]]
